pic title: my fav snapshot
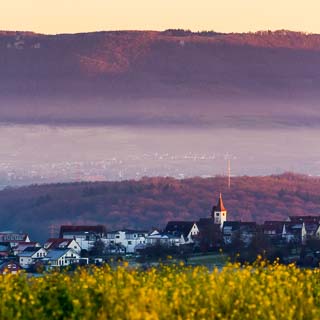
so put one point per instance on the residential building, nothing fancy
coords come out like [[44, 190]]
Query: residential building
[[210, 235], [13, 238], [273, 229], [238, 230], [126, 238], [4, 250], [85, 236], [23, 245], [58, 243], [157, 237], [61, 257], [186, 230], [30, 255], [311, 224], [294, 232]]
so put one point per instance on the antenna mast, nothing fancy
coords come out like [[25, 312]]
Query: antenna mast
[[52, 230], [229, 174]]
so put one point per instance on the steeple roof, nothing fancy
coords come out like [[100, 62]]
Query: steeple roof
[[220, 207]]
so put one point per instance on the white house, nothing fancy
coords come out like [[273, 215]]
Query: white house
[[126, 238], [158, 238], [30, 255], [24, 245], [294, 232], [186, 230], [13, 238], [61, 257], [85, 236]]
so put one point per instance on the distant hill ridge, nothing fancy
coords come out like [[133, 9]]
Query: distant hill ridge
[[117, 52], [153, 201], [122, 76]]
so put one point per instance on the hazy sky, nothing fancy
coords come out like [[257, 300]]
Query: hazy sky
[[57, 16]]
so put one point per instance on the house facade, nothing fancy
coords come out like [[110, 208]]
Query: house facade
[[13, 238], [158, 238], [61, 258], [85, 236], [238, 230], [186, 231], [30, 255], [126, 238]]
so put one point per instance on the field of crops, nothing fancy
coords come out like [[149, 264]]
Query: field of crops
[[169, 292]]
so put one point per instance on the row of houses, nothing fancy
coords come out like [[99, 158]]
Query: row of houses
[[74, 242]]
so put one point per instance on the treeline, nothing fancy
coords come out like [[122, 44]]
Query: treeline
[[187, 32], [153, 201]]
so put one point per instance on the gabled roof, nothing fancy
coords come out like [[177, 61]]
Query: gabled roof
[[98, 229], [23, 245], [179, 227], [128, 231], [54, 243], [56, 254], [205, 224], [311, 228], [293, 227], [29, 252], [239, 225], [305, 219], [233, 225], [13, 237], [4, 248], [276, 226]]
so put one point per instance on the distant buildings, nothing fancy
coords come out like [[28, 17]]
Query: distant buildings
[[219, 213], [76, 243], [125, 240], [85, 236]]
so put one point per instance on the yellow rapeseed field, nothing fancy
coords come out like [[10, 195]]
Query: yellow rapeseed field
[[260, 291]]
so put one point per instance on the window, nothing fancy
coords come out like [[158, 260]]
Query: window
[[129, 242], [117, 237], [217, 214]]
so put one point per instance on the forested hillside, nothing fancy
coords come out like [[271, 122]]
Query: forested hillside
[[153, 201], [157, 77]]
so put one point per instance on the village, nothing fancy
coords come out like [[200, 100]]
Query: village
[[297, 237]]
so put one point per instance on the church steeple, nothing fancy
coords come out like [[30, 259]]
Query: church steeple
[[219, 212], [220, 206]]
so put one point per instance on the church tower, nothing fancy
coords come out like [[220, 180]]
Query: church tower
[[219, 213]]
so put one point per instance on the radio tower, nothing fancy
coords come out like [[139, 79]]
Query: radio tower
[[229, 174], [53, 230]]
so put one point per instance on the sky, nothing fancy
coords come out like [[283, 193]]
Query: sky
[[70, 16]]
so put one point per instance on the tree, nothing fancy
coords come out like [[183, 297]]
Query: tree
[[98, 249]]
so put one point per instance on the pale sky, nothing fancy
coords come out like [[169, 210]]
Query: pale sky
[[69, 16]]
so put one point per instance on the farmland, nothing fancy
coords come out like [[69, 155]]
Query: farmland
[[260, 291]]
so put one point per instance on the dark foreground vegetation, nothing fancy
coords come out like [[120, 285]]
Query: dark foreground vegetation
[[151, 202]]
